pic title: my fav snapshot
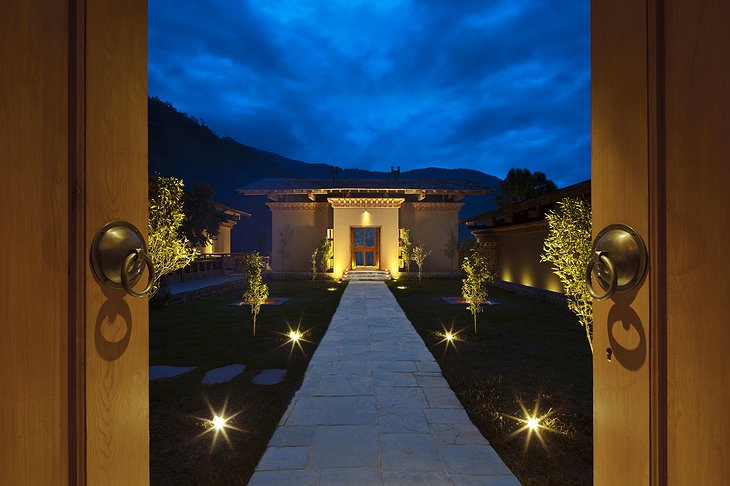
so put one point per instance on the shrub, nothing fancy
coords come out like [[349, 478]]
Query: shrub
[[168, 249], [257, 292], [474, 287], [419, 255], [568, 247]]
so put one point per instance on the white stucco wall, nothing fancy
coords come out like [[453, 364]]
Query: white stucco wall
[[431, 224], [377, 212], [308, 221]]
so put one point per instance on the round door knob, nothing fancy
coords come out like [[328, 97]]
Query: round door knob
[[119, 256], [619, 261]]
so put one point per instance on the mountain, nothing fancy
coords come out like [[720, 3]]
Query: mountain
[[182, 146]]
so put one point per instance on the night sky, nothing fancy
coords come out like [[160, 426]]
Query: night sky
[[478, 84]]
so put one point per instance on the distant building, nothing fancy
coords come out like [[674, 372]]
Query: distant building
[[215, 258], [513, 236], [363, 219], [222, 242]]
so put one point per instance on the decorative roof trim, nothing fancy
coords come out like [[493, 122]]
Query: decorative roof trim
[[514, 228], [433, 206], [297, 206], [366, 202]]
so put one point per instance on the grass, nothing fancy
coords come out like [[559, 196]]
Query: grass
[[209, 334], [525, 351]]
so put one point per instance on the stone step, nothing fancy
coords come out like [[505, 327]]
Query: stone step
[[366, 275]]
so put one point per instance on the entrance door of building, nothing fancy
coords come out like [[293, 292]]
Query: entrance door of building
[[365, 246]]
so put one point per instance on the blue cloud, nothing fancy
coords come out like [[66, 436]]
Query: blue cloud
[[483, 85]]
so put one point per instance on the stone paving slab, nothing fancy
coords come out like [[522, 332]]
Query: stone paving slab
[[160, 372], [270, 377], [223, 375], [374, 409]]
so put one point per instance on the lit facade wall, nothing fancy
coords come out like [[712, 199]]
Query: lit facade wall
[[308, 222], [518, 257], [353, 212], [431, 225], [222, 243]]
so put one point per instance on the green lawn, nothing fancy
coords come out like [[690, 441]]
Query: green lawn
[[524, 351], [208, 334]]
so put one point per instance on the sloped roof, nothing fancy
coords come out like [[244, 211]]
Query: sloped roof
[[322, 186], [576, 190], [236, 213]]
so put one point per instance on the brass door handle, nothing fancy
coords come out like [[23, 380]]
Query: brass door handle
[[134, 257], [618, 262], [119, 256], [603, 258]]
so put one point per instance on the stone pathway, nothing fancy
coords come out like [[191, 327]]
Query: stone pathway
[[374, 409]]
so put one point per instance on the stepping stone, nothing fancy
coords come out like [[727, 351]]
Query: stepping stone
[[270, 301], [222, 375], [160, 372], [270, 377]]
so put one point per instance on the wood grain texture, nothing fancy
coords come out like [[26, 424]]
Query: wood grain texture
[[116, 178], [698, 232], [620, 195], [34, 260]]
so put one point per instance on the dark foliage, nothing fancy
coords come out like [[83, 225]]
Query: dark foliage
[[521, 184], [202, 218]]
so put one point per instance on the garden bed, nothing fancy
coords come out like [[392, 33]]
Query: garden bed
[[208, 334], [525, 351]]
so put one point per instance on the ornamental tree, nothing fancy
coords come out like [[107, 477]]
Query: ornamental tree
[[404, 247], [256, 292], [474, 287], [168, 249], [568, 247], [419, 255], [321, 258]]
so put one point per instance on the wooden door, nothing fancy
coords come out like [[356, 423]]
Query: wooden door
[[73, 138], [660, 112], [365, 244]]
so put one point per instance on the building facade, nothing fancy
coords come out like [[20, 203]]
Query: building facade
[[512, 238], [363, 219]]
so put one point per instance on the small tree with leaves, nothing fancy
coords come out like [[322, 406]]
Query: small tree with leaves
[[169, 249], [321, 258], [286, 235], [314, 260], [451, 249], [256, 292], [568, 247], [405, 247], [419, 255], [324, 255], [474, 287]]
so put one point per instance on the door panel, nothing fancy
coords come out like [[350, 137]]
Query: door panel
[[660, 72], [34, 292], [116, 180], [73, 132], [619, 155], [698, 231]]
